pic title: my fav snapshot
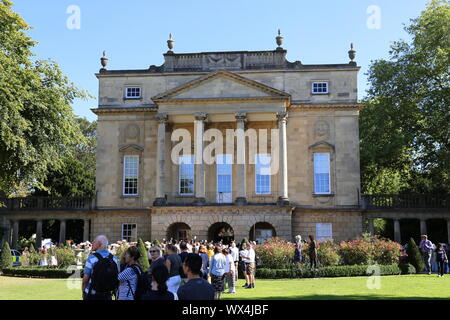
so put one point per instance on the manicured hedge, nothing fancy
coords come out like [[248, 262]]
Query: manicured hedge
[[332, 271], [36, 272], [407, 268]]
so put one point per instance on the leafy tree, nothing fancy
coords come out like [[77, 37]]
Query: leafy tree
[[37, 125], [76, 177], [414, 256], [143, 260], [5, 257], [405, 141]]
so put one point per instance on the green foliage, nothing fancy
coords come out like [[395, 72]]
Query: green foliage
[[35, 258], [414, 255], [407, 268], [405, 141], [5, 257], [143, 260], [40, 272], [65, 257], [121, 251], [76, 177], [25, 243], [325, 272], [37, 124], [32, 248]]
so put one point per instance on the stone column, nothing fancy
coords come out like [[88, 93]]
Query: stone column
[[86, 230], [15, 237], [38, 234], [199, 128], [423, 226], [241, 184], [62, 231], [283, 198], [161, 158], [397, 234], [448, 231], [371, 227]]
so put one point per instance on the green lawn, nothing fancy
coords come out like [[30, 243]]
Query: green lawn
[[392, 287]]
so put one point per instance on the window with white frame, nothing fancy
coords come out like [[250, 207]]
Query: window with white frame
[[262, 174], [324, 231], [132, 92], [130, 175], [186, 175], [322, 173], [320, 87], [224, 178], [129, 232]]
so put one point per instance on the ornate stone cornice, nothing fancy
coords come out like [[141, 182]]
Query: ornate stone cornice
[[98, 111], [282, 116], [336, 106], [275, 93], [241, 116], [162, 117], [201, 116], [221, 99]]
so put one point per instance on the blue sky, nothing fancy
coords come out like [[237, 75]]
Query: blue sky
[[134, 32]]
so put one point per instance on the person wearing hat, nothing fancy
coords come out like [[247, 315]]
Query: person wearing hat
[[426, 247]]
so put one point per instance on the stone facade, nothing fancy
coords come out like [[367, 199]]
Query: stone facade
[[221, 85], [228, 90]]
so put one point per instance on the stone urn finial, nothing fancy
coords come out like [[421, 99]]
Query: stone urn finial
[[279, 40], [170, 43], [104, 61], [352, 54]]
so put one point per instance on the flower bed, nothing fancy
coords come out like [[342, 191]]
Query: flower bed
[[278, 254]]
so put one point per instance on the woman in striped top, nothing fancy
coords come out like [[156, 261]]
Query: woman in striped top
[[128, 277]]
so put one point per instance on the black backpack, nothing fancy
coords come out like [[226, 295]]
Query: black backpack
[[104, 277], [143, 282]]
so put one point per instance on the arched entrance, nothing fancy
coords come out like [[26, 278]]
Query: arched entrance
[[262, 231], [179, 231], [221, 231]]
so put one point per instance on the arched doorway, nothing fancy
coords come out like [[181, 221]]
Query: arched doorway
[[221, 231], [179, 231], [262, 231]]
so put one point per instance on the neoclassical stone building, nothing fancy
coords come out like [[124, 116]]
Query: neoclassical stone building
[[155, 124], [143, 192]]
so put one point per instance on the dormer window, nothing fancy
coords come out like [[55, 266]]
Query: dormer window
[[132, 92], [320, 87]]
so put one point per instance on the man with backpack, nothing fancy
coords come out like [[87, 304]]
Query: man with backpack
[[100, 280]]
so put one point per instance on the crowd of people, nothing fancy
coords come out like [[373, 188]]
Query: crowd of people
[[179, 270]]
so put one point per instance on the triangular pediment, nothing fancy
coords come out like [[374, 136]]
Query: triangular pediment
[[221, 85]]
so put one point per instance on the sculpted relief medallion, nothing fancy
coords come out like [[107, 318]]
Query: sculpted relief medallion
[[322, 129], [132, 132]]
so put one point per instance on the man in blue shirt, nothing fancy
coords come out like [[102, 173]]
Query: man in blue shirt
[[427, 249], [99, 246], [196, 288]]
